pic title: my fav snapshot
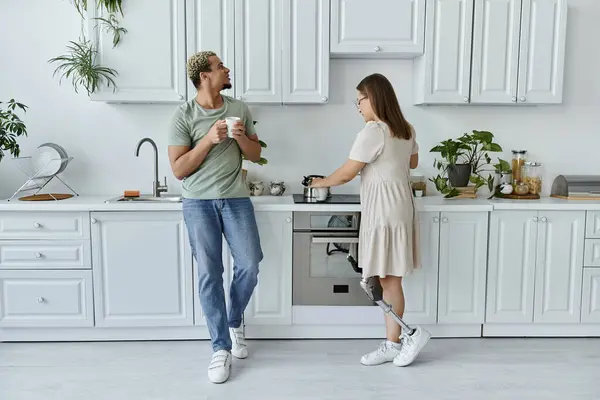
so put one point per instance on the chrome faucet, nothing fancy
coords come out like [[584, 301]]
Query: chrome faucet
[[157, 188]]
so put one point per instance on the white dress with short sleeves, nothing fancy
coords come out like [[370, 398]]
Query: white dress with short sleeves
[[389, 235]]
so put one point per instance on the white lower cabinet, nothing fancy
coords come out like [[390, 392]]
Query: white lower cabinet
[[463, 265], [535, 267], [142, 267], [420, 288], [271, 303], [590, 303], [46, 299]]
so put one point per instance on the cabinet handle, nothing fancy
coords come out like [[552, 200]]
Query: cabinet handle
[[436, 219], [535, 219], [514, 99], [377, 48], [38, 255], [444, 220], [94, 220], [466, 99], [180, 97], [324, 99], [523, 98], [240, 98], [288, 220], [36, 225], [544, 219], [41, 300]]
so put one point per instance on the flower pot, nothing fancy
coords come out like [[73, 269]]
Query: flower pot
[[458, 174]]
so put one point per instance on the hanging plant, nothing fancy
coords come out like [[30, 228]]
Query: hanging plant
[[79, 65], [111, 25]]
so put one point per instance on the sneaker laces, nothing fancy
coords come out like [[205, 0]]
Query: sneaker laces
[[406, 341]]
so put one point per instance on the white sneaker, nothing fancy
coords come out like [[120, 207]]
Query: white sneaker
[[386, 352], [411, 346], [238, 342], [220, 366]]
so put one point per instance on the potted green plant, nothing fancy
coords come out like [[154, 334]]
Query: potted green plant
[[11, 127], [463, 161]]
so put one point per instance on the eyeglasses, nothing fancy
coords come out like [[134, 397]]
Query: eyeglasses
[[357, 102]]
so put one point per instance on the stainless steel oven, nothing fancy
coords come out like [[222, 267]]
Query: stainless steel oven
[[322, 275]]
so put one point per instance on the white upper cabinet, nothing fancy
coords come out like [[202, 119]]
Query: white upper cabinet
[[305, 64], [443, 74], [517, 56], [541, 61], [150, 59], [282, 51], [258, 57], [389, 28], [496, 51], [210, 26]]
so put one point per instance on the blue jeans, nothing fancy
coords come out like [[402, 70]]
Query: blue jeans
[[207, 221]]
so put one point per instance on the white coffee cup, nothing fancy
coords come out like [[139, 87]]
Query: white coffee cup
[[231, 121]]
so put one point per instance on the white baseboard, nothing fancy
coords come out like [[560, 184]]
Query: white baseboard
[[541, 330], [102, 334], [351, 331]]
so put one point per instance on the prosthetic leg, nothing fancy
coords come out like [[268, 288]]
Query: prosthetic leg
[[374, 290]]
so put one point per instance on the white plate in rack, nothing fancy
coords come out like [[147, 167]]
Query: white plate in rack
[[49, 159]]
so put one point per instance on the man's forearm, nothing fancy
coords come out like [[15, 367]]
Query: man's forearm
[[190, 161], [250, 149]]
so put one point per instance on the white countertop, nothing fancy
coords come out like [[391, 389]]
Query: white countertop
[[261, 203], [286, 203]]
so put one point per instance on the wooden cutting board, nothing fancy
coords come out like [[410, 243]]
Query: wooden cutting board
[[581, 197], [517, 196], [46, 197]]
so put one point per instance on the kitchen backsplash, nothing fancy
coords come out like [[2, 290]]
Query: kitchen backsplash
[[301, 140]]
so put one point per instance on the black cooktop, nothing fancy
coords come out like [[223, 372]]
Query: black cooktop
[[334, 199]]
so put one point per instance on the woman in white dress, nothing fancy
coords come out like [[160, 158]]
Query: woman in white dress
[[384, 152]]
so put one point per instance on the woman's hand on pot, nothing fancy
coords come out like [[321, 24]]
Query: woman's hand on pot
[[317, 182]]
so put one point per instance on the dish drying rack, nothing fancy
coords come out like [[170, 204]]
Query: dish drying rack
[[35, 178]]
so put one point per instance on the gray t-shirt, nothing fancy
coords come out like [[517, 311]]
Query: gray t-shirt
[[220, 174]]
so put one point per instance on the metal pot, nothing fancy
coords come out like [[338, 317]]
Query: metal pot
[[315, 194]]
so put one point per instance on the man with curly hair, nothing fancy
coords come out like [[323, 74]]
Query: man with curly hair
[[216, 202]]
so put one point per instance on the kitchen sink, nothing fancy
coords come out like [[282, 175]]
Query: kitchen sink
[[165, 198]]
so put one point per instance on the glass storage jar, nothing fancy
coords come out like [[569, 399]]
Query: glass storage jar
[[518, 159], [531, 173]]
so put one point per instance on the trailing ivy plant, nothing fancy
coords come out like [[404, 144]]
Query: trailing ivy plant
[[80, 62], [11, 127]]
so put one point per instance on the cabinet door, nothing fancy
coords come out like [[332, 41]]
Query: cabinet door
[[210, 26], [559, 266], [420, 288], [511, 269], [590, 303], [377, 27], [541, 63], [142, 269], [150, 60], [463, 264], [495, 51], [443, 74], [305, 63], [258, 56], [271, 303]]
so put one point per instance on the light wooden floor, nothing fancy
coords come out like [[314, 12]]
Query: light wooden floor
[[482, 369]]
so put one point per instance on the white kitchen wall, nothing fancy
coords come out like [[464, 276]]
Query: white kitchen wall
[[302, 139]]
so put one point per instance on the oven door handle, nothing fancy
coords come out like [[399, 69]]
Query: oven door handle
[[334, 239]]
